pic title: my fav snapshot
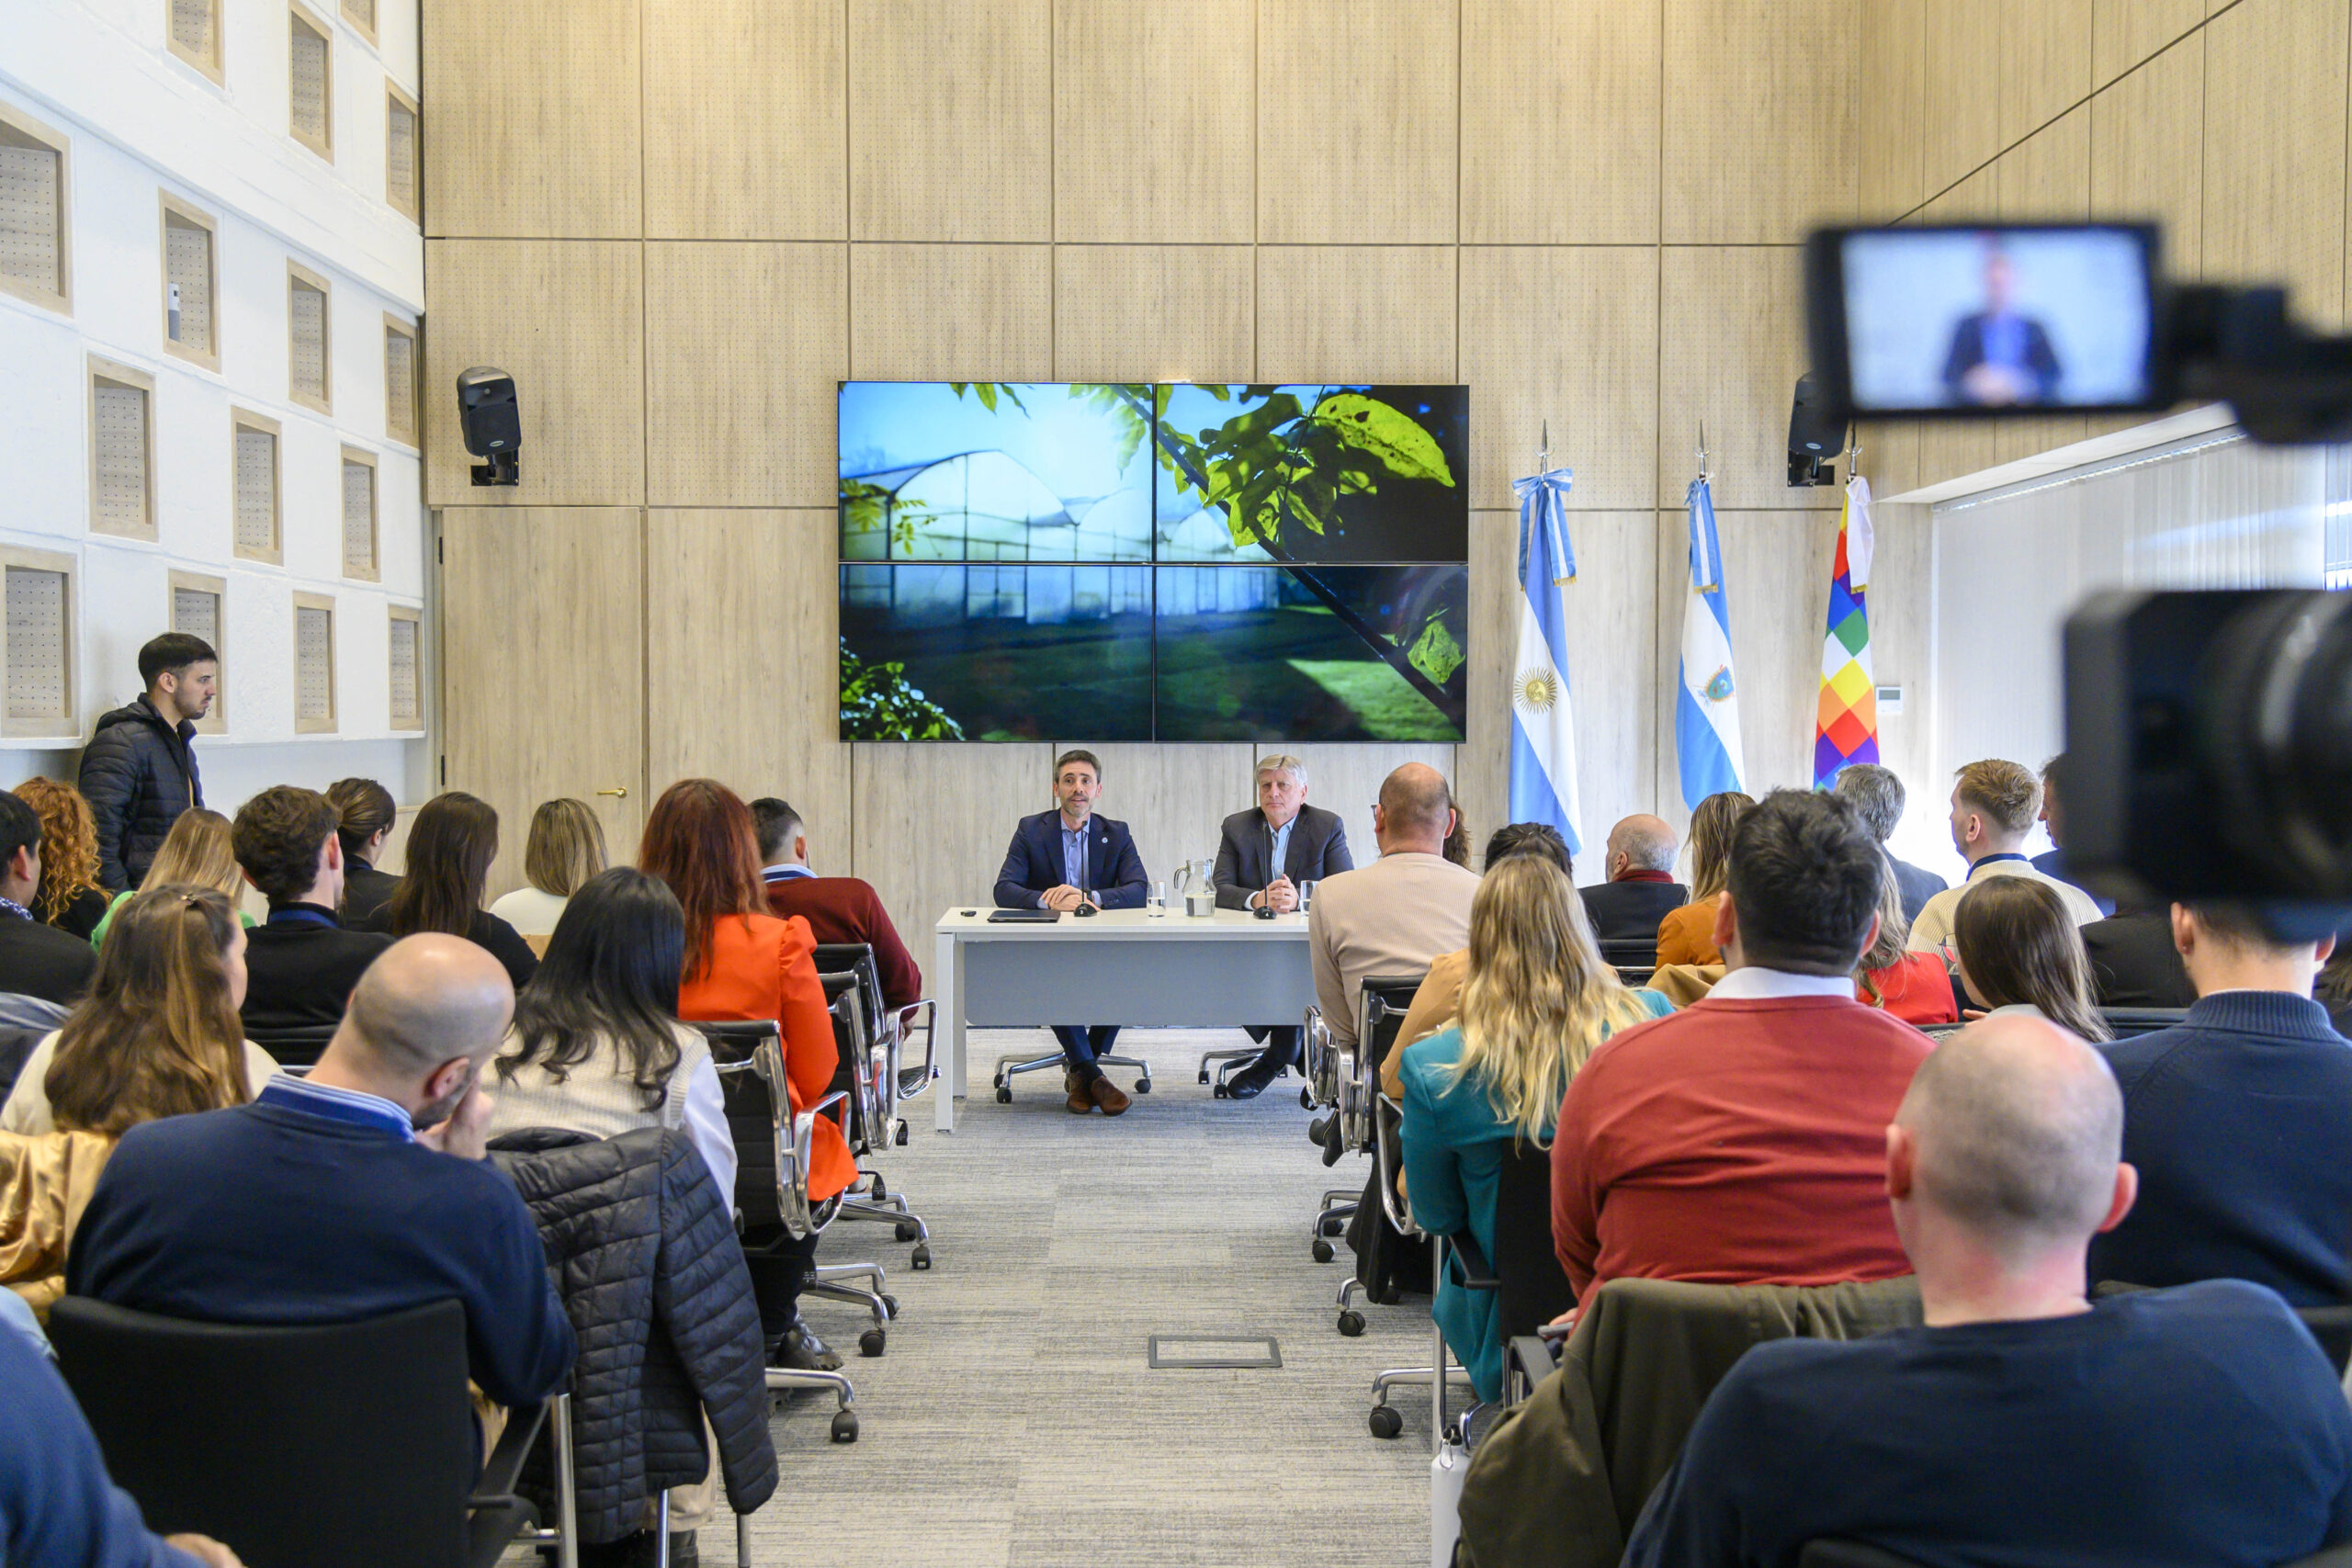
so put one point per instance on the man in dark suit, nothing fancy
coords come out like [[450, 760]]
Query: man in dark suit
[[838, 908], [35, 960], [1641, 890], [2053, 861], [1997, 356], [300, 964], [1878, 794], [1262, 858], [2134, 962], [1060, 860]]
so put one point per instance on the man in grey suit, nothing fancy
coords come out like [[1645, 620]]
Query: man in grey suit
[[1262, 858], [1877, 794]]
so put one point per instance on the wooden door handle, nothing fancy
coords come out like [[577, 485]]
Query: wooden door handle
[[621, 794]]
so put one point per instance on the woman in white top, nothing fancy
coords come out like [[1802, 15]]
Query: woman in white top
[[158, 1034], [597, 1046], [566, 848]]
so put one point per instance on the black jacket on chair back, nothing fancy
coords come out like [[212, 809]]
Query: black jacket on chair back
[[138, 773], [1317, 849], [642, 1246], [1629, 911]]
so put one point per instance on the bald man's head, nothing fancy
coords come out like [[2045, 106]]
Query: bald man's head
[[429, 1000], [2017, 1128], [1415, 802], [1646, 843]]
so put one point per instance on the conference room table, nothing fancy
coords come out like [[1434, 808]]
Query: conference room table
[[1123, 967]]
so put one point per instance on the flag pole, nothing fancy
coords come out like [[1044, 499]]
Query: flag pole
[[1702, 453]]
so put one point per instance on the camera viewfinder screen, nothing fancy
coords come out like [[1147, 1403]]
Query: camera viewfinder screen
[[1997, 319]]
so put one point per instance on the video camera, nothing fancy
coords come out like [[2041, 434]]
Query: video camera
[[2208, 735]]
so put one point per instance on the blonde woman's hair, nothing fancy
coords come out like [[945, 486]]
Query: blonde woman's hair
[[1894, 932], [197, 853], [1710, 827], [1537, 998], [565, 849]]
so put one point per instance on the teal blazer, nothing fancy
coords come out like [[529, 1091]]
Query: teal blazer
[[1454, 1148]]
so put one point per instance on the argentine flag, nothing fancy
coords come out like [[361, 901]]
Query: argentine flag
[[1543, 735], [1706, 711]]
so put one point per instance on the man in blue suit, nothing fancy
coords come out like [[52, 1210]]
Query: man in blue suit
[[1060, 860]]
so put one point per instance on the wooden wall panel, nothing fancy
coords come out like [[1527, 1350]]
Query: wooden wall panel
[[1560, 122], [951, 128], [931, 822], [2275, 91], [741, 680], [2047, 177], [1356, 313], [1152, 139], [1759, 140], [540, 146], [1890, 455], [1154, 314], [567, 320], [1345, 779], [2045, 63], [1567, 334], [1731, 348], [1891, 61], [1962, 97], [529, 599], [745, 135], [951, 312], [1173, 799], [1356, 121], [2147, 151], [2126, 32], [743, 346]]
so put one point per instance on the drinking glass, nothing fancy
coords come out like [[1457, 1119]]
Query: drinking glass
[[1155, 900], [1305, 896]]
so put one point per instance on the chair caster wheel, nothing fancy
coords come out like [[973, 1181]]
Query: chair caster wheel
[[899, 1137], [907, 1230], [844, 1426], [1205, 1075], [1321, 1249], [1143, 1086], [1385, 1422], [1306, 1100], [873, 1342], [891, 1305], [1218, 1092], [881, 1192], [921, 1259], [1352, 1326], [1004, 1095]]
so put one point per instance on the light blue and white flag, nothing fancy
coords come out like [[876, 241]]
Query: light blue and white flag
[[1706, 711], [1542, 732]]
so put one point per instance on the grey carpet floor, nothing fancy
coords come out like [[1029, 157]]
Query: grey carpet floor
[[1014, 1420]]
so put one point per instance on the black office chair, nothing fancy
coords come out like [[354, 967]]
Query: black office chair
[[875, 1090], [1347, 1079], [346, 1443], [1531, 1287], [1631, 951], [298, 1046], [2125, 1023]]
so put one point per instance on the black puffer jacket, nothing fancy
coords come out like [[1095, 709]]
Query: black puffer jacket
[[138, 773], [645, 1258]]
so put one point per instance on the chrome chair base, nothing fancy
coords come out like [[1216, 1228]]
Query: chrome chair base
[[1008, 1068], [844, 1429]]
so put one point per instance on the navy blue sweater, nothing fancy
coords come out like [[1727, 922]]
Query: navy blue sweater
[[2239, 1119], [57, 1507], [266, 1215]]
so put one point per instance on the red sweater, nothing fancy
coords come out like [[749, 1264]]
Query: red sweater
[[1739, 1142], [845, 909]]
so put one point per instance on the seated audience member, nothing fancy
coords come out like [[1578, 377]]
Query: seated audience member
[[197, 853], [565, 849], [35, 960], [2134, 962], [742, 963], [838, 908], [1396, 914], [1264, 855], [365, 817], [1993, 803], [596, 1045], [2022, 1424], [1438, 1003], [2015, 950], [1878, 794], [1063, 860], [158, 1036], [300, 964], [2239, 1119], [1639, 890], [1456, 847], [58, 1509], [70, 898], [450, 846], [356, 1192], [1536, 1000], [1741, 1141], [1687, 935], [1914, 987], [2052, 862]]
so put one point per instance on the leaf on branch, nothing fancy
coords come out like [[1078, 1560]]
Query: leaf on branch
[[1395, 438], [1435, 653], [986, 391]]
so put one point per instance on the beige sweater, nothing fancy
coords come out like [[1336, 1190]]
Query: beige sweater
[[1393, 917]]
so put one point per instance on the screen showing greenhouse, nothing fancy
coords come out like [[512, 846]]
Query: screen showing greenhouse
[[1139, 562]]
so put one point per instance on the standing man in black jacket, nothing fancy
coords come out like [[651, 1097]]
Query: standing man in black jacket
[[139, 771], [1262, 858]]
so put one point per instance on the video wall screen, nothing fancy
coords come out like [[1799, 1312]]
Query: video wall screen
[[1141, 562]]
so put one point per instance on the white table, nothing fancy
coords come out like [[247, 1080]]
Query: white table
[[1121, 967]]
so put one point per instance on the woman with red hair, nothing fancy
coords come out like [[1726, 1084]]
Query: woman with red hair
[[744, 964]]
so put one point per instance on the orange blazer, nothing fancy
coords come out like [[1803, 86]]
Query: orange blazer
[[761, 967], [1687, 935]]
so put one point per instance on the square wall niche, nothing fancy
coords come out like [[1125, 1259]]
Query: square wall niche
[[195, 33], [400, 380], [122, 450], [402, 186], [37, 651], [405, 647], [191, 284], [359, 526], [199, 607], [310, 88], [309, 343], [314, 664], [254, 467], [35, 210]]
